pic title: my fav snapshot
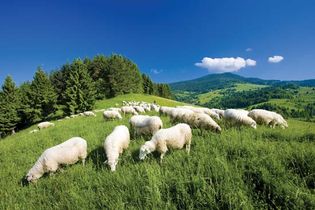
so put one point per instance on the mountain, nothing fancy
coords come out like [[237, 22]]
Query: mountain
[[226, 80]]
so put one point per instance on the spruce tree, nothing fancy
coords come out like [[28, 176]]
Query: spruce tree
[[123, 76], [80, 90], [43, 96], [9, 104]]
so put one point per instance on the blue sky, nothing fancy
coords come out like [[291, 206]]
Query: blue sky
[[165, 38]]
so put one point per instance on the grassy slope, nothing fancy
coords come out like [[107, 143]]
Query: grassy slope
[[241, 168], [205, 97], [304, 96]]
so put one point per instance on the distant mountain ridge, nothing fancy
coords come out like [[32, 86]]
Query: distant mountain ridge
[[225, 80]]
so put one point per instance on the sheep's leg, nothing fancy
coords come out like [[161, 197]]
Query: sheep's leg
[[83, 162], [161, 157], [188, 147]]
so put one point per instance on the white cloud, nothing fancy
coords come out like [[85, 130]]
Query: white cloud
[[250, 62], [275, 59], [156, 71], [249, 49], [221, 65]]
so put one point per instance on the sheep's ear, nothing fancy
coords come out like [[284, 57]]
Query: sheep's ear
[[106, 161]]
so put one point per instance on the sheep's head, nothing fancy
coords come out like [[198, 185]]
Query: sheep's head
[[112, 164], [31, 178], [253, 125], [145, 150], [218, 129]]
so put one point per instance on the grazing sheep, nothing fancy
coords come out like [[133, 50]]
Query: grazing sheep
[[139, 109], [220, 112], [204, 110], [68, 152], [128, 110], [155, 107], [89, 113], [165, 110], [115, 143], [34, 131], [111, 115], [74, 115], [43, 125], [174, 137], [270, 118], [145, 125], [238, 116], [204, 121], [114, 109], [181, 115]]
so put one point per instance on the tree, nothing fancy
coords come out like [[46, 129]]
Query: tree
[[80, 90], [25, 110], [123, 76], [148, 86], [9, 104], [43, 97], [97, 71], [58, 79]]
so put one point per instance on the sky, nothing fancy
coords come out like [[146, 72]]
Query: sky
[[170, 40]]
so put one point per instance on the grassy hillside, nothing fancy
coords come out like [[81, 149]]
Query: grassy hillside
[[206, 97], [239, 169]]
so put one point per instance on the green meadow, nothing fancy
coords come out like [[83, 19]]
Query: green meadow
[[241, 168]]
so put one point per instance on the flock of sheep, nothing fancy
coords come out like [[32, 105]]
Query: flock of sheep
[[175, 137]]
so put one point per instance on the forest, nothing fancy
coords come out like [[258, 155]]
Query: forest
[[71, 89]]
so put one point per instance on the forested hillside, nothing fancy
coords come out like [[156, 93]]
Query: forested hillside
[[71, 89]]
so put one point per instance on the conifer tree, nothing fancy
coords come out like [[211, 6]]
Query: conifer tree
[[43, 96], [80, 90], [9, 104]]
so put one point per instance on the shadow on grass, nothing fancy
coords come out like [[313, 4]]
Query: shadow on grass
[[98, 157]]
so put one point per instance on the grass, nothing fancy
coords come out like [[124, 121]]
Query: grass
[[206, 97], [240, 169]]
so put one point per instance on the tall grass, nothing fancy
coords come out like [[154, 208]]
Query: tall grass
[[240, 169]]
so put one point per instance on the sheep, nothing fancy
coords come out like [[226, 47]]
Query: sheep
[[129, 110], [238, 116], [220, 112], [111, 115], [270, 118], [165, 110], [114, 145], [114, 109], [74, 115], [139, 109], [202, 110], [204, 121], [175, 137], [145, 125], [154, 107], [181, 115], [68, 152], [34, 131], [99, 110], [89, 113], [43, 125]]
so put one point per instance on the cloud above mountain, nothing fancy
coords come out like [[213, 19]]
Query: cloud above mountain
[[221, 65], [275, 59]]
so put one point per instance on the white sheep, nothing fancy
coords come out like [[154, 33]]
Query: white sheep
[[155, 107], [34, 131], [238, 116], [114, 145], [204, 121], [139, 109], [129, 110], [266, 117], [181, 115], [68, 152], [204, 110], [220, 112], [145, 125], [89, 113], [111, 115], [175, 137], [165, 110], [43, 125], [114, 109]]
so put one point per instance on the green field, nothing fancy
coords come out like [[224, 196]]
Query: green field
[[240, 169], [206, 97]]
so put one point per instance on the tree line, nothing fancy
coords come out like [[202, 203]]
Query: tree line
[[72, 89]]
